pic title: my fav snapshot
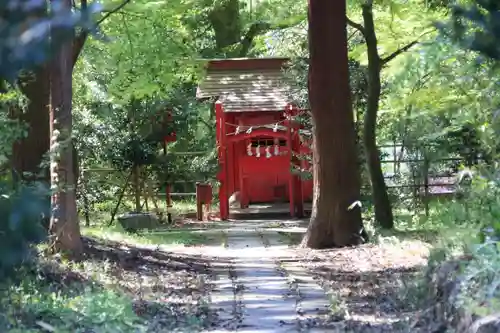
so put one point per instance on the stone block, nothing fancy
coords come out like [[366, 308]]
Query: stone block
[[133, 222]]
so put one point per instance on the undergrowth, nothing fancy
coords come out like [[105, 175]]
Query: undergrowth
[[101, 210], [64, 302], [463, 228], [173, 236], [115, 289]]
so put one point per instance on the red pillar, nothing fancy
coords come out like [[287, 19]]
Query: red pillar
[[222, 152], [299, 196], [295, 182], [289, 145]]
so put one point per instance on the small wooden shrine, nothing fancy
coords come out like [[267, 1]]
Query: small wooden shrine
[[258, 141]]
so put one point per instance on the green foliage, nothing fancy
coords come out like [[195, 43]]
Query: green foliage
[[469, 225], [22, 211], [480, 280], [10, 129], [164, 237], [34, 303], [476, 27], [24, 35]]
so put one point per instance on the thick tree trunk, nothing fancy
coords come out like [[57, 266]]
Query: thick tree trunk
[[383, 209], [225, 19], [29, 152], [64, 225], [336, 177]]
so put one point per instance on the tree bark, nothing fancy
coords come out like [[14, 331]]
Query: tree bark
[[335, 221], [64, 224], [225, 19], [382, 204], [29, 152]]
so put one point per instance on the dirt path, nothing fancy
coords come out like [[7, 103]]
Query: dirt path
[[263, 283]]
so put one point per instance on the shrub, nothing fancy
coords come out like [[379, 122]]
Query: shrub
[[21, 213]]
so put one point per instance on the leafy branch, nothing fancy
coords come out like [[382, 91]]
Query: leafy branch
[[259, 28], [81, 38], [403, 49], [356, 26], [384, 60]]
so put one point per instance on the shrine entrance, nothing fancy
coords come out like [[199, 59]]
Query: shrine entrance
[[258, 140], [262, 170]]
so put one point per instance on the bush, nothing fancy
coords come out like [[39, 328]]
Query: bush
[[480, 280], [21, 215], [473, 232], [40, 302]]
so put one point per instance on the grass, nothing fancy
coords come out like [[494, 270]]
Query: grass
[[164, 236], [106, 295], [95, 295], [452, 231], [439, 229], [37, 305], [179, 207], [174, 236]]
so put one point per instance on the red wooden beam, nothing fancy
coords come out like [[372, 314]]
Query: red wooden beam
[[258, 132]]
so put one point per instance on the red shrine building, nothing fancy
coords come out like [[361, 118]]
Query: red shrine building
[[257, 139]]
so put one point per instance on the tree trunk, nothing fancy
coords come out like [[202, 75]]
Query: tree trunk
[[29, 152], [383, 209], [335, 168], [225, 19], [64, 224]]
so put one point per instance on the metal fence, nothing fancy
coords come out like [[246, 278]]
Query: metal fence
[[110, 191], [420, 176], [415, 176]]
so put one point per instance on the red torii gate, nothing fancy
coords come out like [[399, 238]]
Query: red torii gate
[[250, 110], [293, 147]]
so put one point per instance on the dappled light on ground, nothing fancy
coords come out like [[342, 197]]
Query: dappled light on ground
[[264, 283], [244, 276]]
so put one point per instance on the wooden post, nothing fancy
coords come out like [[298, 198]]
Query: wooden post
[[145, 193], [120, 197], [86, 207], [222, 150], [137, 190], [299, 197], [167, 190], [426, 184], [199, 201], [394, 156], [168, 200], [297, 181], [289, 145]]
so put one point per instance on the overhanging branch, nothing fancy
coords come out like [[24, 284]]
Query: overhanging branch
[[255, 29], [403, 49], [352, 35], [356, 26], [81, 38], [394, 54], [259, 28], [114, 10]]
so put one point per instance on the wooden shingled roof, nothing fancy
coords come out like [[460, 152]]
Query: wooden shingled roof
[[245, 85]]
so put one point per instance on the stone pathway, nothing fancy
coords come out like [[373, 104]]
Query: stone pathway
[[259, 284], [263, 284]]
